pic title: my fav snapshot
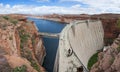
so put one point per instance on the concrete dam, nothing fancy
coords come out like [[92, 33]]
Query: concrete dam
[[78, 41]]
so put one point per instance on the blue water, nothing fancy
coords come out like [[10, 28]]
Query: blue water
[[51, 44], [47, 25]]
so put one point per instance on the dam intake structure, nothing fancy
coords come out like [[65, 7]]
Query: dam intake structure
[[78, 41]]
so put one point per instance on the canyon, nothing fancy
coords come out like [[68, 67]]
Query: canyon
[[21, 48]]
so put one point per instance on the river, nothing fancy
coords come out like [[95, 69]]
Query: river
[[51, 44]]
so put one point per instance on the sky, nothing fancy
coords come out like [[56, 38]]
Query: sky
[[39, 7]]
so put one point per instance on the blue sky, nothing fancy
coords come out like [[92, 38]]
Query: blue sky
[[59, 6], [39, 2]]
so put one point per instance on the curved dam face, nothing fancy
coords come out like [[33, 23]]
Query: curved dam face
[[78, 42]]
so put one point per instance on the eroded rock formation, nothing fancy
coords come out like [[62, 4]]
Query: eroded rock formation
[[21, 48], [109, 60]]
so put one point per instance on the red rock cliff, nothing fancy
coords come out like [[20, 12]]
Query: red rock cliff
[[21, 48], [109, 60]]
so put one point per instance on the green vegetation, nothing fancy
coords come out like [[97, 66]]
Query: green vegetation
[[108, 41], [14, 22], [92, 60], [22, 68], [25, 52], [3, 26], [112, 60], [118, 23], [6, 17], [23, 37], [34, 65], [33, 41], [118, 49], [33, 62]]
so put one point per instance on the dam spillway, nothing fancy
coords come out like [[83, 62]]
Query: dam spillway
[[78, 42]]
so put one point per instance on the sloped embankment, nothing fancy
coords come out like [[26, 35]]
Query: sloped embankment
[[21, 49]]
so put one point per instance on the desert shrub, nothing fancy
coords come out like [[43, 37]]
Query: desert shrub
[[26, 52], [118, 23], [3, 27], [28, 55], [33, 40], [14, 22], [22, 68], [6, 17], [23, 37], [118, 49], [34, 65]]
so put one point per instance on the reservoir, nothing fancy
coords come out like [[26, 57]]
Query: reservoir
[[51, 44]]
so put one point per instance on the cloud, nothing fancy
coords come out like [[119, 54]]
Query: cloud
[[75, 9], [101, 5], [25, 9], [41, 0], [97, 2], [76, 6]]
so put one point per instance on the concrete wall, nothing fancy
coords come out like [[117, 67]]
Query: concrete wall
[[85, 39], [78, 42]]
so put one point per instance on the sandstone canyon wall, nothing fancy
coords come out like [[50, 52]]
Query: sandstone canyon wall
[[109, 60], [21, 48]]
